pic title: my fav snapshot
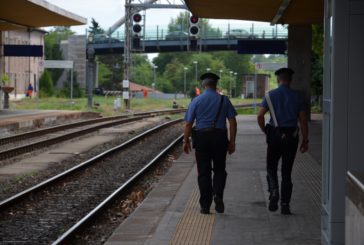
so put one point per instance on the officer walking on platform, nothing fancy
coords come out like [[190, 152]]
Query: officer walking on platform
[[286, 107], [210, 140]]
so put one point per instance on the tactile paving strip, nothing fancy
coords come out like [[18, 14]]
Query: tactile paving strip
[[310, 172], [193, 228]]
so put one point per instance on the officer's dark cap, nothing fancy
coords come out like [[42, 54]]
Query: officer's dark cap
[[286, 71], [210, 76]]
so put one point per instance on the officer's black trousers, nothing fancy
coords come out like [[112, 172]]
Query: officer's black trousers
[[285, 149], [210, 149]]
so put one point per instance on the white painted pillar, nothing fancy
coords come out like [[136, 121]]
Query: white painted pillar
[[343, 106]]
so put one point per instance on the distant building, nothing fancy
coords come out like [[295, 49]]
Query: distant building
[[22, 70], [250, 87]]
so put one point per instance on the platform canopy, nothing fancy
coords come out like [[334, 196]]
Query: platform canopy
[[20, 14], [274, 11]]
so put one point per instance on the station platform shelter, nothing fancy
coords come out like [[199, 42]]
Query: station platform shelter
[[171, 214]]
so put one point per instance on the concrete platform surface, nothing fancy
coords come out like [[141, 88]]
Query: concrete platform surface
[[170, 213], [20, 119]]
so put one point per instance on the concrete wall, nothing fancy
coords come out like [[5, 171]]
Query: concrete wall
[[75, 49], [354, 224], [354, 208]]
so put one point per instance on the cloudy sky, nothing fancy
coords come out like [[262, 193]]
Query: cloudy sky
[[107, 12]]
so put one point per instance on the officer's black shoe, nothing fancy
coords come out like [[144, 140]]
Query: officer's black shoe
[[205, 210], [285, 209], [219, 205], [273, 200]]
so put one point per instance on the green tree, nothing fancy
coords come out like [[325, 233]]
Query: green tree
[[142, 74], [182, 23], [104, 75], [46, 84], [113, 65], [78, 91], [95, 28]]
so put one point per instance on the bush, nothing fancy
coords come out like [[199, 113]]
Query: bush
[[46, 88], [78, 91]]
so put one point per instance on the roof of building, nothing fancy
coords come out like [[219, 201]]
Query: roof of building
[[274, 11], [20, 14], [134, 87]]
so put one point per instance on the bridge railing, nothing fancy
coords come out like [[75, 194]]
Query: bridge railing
[[232, 32]]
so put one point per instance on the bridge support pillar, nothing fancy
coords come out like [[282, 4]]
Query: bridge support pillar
[[299, 59], [1, 69], [90, 76]]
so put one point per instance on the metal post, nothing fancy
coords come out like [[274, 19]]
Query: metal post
[[230, 73], [90, 75], [235, 75], [71, 84], [184, 81], [127, 48], [154, 75], [196, 62], [255, 92]]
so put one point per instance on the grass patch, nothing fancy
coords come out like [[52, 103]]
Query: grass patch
[[246, 111], [105, 106]]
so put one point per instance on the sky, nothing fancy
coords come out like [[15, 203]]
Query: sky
[[107, 12]]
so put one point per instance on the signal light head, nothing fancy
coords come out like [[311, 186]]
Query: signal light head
[[194, 19], [137, 28], [194, 30], [137, 17]]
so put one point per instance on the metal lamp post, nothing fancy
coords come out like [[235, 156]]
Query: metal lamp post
[[196, 62], [184, 81], [154, 75], [231, 72], [90, 69], [236, 75]]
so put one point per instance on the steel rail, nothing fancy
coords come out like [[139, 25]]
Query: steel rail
[[37, 133], [47, 142], [120, 191], [7, 202]]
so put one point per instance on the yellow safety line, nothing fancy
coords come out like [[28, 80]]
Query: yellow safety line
[[193, 227]]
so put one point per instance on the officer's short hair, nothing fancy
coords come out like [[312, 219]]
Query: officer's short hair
[[284, 73], [209, 79]]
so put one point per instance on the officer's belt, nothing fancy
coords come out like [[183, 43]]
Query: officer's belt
[[287, 130], [211, 130]]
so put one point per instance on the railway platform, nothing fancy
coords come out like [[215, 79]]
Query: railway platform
[[21, 119], [170, 214]]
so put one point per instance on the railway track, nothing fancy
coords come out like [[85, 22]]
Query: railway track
[[101, 123], [57, 208]]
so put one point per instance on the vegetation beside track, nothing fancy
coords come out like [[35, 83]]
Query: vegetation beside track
[[105, 105]]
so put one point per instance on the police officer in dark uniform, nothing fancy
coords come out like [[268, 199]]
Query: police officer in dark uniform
[[210, 111], [282, 139]]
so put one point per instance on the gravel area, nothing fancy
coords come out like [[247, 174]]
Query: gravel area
[[44, 216], [103, 226], [9, 187]]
